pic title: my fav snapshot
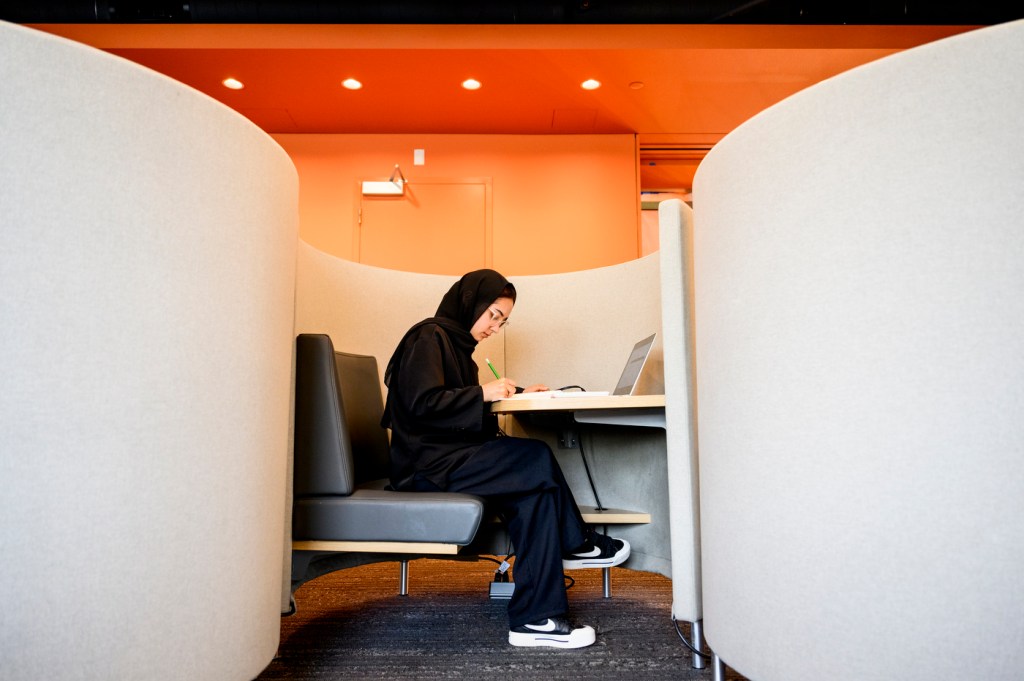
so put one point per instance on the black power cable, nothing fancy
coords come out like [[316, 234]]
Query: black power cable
[[689, 645], [590, 478], [583, 455]]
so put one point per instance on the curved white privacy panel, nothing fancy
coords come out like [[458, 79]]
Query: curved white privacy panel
[[148, 280], [574, 327], [860, 360], [676, 254]]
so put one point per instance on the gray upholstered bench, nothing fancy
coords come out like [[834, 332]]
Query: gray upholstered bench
[[341, 500]]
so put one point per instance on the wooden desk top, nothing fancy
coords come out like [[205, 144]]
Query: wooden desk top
[[522, 404]]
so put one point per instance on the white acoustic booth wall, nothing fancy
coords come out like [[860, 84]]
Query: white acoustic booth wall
[[571, 327], [859, 258], [147, 268], [675, 228]]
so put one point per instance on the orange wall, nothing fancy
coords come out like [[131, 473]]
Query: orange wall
[[560, 202]]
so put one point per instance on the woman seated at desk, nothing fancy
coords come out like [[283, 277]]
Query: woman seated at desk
[[444, 438]]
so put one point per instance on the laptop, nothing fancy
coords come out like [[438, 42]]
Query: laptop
[[634, 366], [628, 379]]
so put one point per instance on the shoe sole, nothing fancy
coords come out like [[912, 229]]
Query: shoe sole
[[579, 638], [580, 563]]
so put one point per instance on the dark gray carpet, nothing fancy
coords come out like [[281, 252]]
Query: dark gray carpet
[[351, 624]]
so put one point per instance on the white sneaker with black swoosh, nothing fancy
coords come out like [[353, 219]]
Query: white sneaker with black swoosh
[[600, 551], [554, 632]]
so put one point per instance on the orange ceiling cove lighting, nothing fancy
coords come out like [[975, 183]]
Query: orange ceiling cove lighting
[[699, 81]]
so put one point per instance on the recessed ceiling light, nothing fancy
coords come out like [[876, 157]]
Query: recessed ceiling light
[[590, 84], [351, 84], [471, 84], [233, 83], [636, 85]]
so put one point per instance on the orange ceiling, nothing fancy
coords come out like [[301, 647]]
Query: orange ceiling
[[697, 82]]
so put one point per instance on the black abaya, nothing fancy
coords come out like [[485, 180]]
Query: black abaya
[[443, 437]]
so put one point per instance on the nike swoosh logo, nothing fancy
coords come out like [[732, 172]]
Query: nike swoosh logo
[[549, 625], [592, 553]]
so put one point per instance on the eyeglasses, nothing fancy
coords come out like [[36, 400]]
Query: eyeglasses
[[497, 316]]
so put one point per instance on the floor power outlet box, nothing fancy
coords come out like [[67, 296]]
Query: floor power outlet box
[[502, 590]]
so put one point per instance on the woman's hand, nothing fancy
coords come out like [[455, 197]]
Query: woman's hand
[[540, 387], [499, 389]]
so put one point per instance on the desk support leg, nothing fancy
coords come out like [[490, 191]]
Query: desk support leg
[[697, 641], [717, 668], [403, 578], [606, 581]]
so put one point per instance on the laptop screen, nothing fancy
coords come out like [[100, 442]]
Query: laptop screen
[[634, 365]]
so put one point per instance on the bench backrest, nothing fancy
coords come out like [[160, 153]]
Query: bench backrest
[[339, 443]]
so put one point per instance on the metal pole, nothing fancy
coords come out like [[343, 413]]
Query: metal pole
[[697, 640], [403, 578], [717, 668]]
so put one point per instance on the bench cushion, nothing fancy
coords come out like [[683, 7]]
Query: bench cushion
[[384, 515]]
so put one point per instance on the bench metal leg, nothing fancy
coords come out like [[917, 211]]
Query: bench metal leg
[[403, 578]]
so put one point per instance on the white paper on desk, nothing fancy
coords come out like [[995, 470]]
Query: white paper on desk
[[558, 393]]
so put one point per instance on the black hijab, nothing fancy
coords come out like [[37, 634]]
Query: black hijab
[[461, 306]]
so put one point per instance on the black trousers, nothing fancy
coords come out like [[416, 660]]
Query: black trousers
[[521, 478]]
